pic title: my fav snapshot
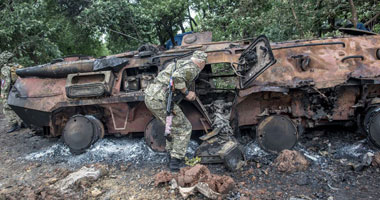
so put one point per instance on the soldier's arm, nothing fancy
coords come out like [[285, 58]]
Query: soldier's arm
[[184, 76]]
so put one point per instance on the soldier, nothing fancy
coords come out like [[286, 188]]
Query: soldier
[[156, 98], [8, 77]]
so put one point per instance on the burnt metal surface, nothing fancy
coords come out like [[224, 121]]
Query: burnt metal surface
[[57, 70], [62, 69], [254, 60], [276, 133], [114, 64], [218, 150], [91, 84], [355, 31], [313, 82], [82, 131], [196, 38], [154, 135], [372, 125], [232, 155]]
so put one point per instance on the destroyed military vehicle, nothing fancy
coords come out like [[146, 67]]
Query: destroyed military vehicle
[[280, 90]]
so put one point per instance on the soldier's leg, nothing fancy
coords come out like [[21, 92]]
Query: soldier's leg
[[9, 114], [181, 129], [158, 109]]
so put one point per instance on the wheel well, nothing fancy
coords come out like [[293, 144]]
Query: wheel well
[[60, 116]]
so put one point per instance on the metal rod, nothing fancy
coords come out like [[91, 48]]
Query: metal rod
[[309, 45], [349, 57]]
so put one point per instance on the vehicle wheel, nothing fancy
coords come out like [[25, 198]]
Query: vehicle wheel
[[276, 133], [81, 132], [365, 121], [154, 135], [372, 125]]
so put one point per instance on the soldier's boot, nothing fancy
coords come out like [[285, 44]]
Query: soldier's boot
[[174, 164], [15, 127]]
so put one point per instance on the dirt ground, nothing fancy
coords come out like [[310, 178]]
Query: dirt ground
[[31, 166]]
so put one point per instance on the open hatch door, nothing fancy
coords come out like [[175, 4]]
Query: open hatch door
[[254, 60]]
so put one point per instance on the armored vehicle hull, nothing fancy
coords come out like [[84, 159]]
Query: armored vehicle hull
[[280, 89]]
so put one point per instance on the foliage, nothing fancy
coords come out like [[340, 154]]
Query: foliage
[[278, 19], [193, 161], [38, 31]]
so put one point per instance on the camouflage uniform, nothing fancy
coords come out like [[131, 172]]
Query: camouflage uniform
[[155, 100], [6, 84]]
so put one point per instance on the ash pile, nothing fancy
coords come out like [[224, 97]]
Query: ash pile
[[110, 150]]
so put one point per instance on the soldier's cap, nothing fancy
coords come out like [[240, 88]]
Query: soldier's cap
[[200, 55]]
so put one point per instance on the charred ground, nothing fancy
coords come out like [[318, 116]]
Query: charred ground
[[32, 165]]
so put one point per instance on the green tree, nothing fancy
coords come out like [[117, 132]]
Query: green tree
[[37, 32]]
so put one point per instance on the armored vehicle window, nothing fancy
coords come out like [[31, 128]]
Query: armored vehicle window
[[135, 79]]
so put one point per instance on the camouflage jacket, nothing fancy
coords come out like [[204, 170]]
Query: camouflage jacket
[[186, 72], [8, 77], [6, 80]]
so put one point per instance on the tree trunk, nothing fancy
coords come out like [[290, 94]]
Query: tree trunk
[[182, 28], [169, 30], [373, 19], [299, 28], [354, 14], [190, 20], [318, 19], [172, 38]]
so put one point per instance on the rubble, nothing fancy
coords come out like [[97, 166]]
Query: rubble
[[291, 161], [376, 160], [137, 182], [162, 177], [189, 176], [90, 173], [367, 159], [220, 112], [197, 178], [96, 192]]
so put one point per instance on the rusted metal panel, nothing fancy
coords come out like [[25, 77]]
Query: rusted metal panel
[[344, 105], [328, 64], [38, 94], [196, 38]]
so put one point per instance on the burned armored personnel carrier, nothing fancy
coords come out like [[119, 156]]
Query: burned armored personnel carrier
[[280, 89]]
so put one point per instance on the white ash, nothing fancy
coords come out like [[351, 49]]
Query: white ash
[[253, 150], [317, 159], [355, 150], [110, 150]]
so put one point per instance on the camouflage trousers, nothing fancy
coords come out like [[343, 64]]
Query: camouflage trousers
[[9, 114], [181, 126]]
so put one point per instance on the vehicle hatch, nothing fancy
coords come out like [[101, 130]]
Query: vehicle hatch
[[254, 60]]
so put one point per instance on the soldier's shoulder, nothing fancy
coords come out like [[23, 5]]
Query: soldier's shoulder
[[188, 64], [6, 67]]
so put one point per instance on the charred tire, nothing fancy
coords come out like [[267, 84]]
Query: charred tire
[[372, 125], [154, 135], [365, 121], [81, 132], [276, 133]]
